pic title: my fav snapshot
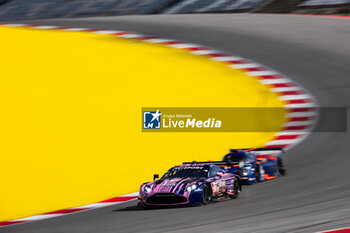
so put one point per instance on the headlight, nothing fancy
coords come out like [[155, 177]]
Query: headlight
[[190, 188], [147, 189], [245, 172]]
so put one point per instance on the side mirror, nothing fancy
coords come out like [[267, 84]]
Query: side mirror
[[220, 174], [155, 176]]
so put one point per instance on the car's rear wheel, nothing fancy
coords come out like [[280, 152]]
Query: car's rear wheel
[[281, 168], [236, 189], [206, 195], [257, 174]]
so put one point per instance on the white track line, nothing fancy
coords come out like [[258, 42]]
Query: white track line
[[285, 89], [204, 52], [184, 46], [39, 217], [306, 105], [159, 41], [301, 114], [263, 73], [295, 97], [75, 29], [131, 36], [299, 123], [227, 58], [246, 66], [46, 27], [284, 133], [273, 81], [107, 32], [282, 142]]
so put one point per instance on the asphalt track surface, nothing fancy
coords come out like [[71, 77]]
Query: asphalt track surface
[[315, 195]]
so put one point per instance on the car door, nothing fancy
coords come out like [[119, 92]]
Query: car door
[[218, 185]]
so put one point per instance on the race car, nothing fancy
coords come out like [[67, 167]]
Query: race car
[[189, 184], [254, 164]]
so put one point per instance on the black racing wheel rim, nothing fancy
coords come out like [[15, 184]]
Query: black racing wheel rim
[[236, 188], [280, 168], [205, 195], [257, 174]]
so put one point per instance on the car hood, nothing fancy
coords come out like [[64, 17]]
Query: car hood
[[174, 185]]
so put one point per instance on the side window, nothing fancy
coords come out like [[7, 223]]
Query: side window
[[252, 158], [214, 170]]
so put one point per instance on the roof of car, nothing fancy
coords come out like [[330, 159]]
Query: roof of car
[[193, 165], [238, 153]]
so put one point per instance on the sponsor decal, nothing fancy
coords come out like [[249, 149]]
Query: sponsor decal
[[188, 167], [167, 185]]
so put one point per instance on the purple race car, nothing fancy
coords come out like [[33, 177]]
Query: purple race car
[[189, 184]]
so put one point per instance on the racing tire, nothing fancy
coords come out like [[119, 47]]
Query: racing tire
[[280, 167], [142, 207], [236, 189], [206, 195], [257, 174]]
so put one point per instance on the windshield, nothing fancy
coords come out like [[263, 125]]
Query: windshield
[[234, 158], [184, 172]]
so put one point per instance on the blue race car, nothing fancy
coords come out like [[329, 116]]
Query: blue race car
[[254, 164], [189, 184]]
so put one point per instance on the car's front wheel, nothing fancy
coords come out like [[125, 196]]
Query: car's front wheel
[[206, 195], [257, 174], [236, 189], [281, 168], [142, 207]]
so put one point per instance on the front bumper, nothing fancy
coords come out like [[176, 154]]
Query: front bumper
[[248, 180], [164, 199]]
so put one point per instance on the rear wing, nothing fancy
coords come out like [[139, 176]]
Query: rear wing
[[222, 164], [280, 149], [262, 152], [219, 163]]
